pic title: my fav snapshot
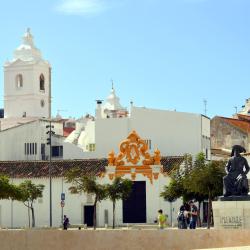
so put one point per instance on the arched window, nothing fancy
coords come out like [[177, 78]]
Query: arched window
[[19, 81], [42, 82]]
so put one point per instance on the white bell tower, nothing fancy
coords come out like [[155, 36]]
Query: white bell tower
[[27, 82]]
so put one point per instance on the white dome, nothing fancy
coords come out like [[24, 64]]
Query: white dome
[[112, 102], [27, 50]]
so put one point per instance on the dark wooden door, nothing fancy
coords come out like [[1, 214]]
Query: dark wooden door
[[134, 208], [88, 215]]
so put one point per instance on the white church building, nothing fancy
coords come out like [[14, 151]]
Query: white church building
[[27, 82], [149, 173], [27, 107], [27, 113]]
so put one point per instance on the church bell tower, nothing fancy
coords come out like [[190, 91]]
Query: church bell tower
[[27, 82]]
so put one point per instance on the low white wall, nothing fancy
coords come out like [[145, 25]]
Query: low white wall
[[122, 239]]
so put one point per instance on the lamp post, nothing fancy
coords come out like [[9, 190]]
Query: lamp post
[[50, 132]]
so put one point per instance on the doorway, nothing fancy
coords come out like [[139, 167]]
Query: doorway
[[134, 208], [88, 215]]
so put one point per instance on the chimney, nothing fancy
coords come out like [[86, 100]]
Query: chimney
[[98, 111]]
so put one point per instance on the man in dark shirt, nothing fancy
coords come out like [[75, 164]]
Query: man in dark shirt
[[194, 214]]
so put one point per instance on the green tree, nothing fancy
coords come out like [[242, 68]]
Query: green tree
[[198, 180], [206, 180], [198, 163], [88, 184], [8, 190], [28, 193], [120, 189], [176, 189], [170, 194]]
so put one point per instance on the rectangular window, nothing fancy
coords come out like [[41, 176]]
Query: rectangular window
[[43, 151], [92, 147], [30, 148], [57, 151], [43, 148], [106, 216]]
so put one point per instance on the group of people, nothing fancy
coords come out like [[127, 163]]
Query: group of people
[[187, 217]]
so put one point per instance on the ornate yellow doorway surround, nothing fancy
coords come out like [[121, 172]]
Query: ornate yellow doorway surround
[[134, 159]]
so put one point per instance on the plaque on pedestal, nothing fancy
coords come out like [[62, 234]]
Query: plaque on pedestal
[[232, 213]]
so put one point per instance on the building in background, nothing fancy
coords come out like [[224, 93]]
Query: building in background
[[27, 107], [27, 82], [27, 110], [227, 132], [176, 133], [245, 108]]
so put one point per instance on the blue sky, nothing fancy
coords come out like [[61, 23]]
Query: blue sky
[[166, 54]]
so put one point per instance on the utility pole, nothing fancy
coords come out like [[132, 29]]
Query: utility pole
[[236, 109], [50, 132]]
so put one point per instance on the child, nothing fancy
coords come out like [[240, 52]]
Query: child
[[161, 219]]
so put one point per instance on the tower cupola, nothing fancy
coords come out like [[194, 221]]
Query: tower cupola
[[27, 82]]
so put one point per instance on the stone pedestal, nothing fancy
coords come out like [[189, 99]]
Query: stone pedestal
[[231, 214]]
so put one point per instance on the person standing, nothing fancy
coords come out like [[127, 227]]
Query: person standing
[[194, 214], [161, 219], [65, 222], [183, 219]]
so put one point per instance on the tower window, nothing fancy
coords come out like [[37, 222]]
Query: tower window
[[19, 81], [42, 82]]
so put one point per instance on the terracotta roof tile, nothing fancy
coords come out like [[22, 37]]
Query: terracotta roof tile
[[67, 131], [242, 125], [40, 169], [244, 117]]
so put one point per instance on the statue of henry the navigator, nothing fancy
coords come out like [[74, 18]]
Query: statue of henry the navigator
[[235, 182]]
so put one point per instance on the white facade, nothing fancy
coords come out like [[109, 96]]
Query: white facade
[[14, 214], [28, 141], [27, 82], [175, 133], [245, 108]]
